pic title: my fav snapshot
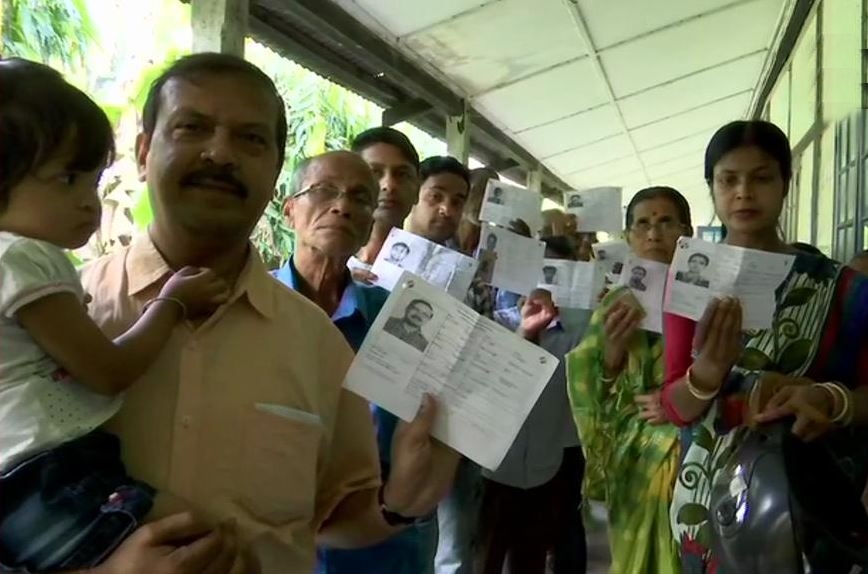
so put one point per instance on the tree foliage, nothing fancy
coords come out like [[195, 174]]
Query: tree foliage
[[47, 30]]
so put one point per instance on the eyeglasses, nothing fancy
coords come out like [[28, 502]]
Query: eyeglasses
[[665, 227], [324, 193]]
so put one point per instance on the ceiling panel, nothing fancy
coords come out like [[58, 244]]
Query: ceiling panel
[[692, 91], [693, 46], [570, 162], [625, 168], [581, 129], [578, 89], [689, 123], [495, 45], [691, 144], [675, 166], [613, 22], [401, 18]]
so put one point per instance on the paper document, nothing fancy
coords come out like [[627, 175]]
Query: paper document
[[508, 260], [612, 254], [573, 284], [596, 209], [446, 268], [703, 270], [504, 203], [647, 280], [354, 263], [485, 378]]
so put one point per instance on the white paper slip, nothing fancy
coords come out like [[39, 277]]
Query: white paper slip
[[703, 270], [573, 284], [446, 268], [647, 280], [596, 209], [354, 263], [504, 203], [485, 379], [612, 254], [508, 260]]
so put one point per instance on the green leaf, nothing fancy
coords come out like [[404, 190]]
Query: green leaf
[[798, 297], [142, 213], [702, 438], [692, 514], [754, 360], [705, 535], [795, 355]]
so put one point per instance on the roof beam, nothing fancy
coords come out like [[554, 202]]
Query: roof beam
[[597, 64]]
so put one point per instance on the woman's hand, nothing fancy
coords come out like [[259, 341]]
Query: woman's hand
[[719, 341], [621, 323], [363, 276], [812, 405], [650, 408]]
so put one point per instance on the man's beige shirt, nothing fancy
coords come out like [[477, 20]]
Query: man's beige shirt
[[244, 415]]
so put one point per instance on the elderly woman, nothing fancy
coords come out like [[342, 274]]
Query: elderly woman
[[614, 378]]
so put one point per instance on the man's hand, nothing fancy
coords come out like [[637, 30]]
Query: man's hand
[[422, 468], [177, 544], [537, 312], [363, 276], [650, 408]]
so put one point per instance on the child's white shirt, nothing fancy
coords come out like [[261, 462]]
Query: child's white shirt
[[41, 407]]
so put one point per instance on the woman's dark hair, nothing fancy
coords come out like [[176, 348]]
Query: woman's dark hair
[[806, 248], [745, 133], [660, 192], [39, 113]]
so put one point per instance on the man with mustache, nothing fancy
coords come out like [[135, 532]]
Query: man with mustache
[[395, 163], [243, 415], [331, 202], [445, 185]]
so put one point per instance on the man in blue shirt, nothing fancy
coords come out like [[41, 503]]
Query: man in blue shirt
[[330, 206]]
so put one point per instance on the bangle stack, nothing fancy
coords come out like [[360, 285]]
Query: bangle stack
[[696, 391], [177, 302], [842, 402]]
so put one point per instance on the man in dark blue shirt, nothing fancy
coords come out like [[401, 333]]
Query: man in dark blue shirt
[[332, 199]]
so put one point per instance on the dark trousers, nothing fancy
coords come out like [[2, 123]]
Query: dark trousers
[[519, 527]]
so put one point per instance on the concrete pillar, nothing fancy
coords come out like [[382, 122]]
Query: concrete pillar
[[458, 135], [534, 179], [219, 26]]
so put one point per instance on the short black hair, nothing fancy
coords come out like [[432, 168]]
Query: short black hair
[[745, 133], [682, 206], [559, 245], [39, 113], [438, 164], [386, 135], [639, 268], [400, 244], [549, 268], [415, 302], [702, 256], [208, 63]]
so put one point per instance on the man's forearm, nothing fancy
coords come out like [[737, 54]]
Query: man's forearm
[[356, 522]]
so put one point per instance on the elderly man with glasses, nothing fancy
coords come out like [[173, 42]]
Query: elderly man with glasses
[[331, 207]]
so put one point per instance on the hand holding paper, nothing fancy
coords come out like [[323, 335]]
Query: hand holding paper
[[486, 379]]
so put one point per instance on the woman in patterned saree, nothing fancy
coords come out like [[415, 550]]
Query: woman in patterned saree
[[614, 380], [809, 366]]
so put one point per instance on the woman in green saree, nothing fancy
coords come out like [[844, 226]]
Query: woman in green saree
[[614, 379]]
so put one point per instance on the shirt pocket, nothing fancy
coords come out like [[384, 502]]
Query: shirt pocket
[[278, 466]]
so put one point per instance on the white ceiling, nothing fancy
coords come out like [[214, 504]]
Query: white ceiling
[[603, 92]]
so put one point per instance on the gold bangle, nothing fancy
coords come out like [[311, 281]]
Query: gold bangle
[[169, 299], [845, 414], [697, 392]]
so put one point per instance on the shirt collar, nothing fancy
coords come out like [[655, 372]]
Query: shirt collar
[[351, 301], [145, 267]]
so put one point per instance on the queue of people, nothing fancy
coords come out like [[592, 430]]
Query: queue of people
[[178, 408]]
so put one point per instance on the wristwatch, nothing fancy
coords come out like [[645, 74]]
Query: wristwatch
[[392, 518]]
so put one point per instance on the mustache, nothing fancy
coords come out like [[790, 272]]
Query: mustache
[[209, 175]]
